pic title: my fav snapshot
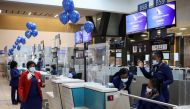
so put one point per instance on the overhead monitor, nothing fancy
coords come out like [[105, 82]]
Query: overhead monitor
[[162, 16], [78, 37], [87, 37], [136, 23]]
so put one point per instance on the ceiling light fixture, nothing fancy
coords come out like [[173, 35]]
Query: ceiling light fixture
[[0, 11], [143, 35], [158, 32], [29, 13], [99, 18], [183, 29], [132, 40], [145, 38], [56, 15]]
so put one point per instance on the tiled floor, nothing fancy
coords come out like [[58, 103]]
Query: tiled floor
[[5, 95]]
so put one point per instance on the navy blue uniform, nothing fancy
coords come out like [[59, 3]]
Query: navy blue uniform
[[34, 100], [54, 72], [120, 85], [148, 105], [163, 73], [14, 84]]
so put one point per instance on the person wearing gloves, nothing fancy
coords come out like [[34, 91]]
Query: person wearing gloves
[[14, 82], [30, 84], [151, 91], [159, 71], [122, 79]]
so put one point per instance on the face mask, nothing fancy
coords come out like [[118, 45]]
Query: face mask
[[148, 90], [124, 80], [154, 62], [32, 69]]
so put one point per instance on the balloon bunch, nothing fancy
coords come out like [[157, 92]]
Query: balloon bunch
[[69, 13], [32, 31], [17, 45]]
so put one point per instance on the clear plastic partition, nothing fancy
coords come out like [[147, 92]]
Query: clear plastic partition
[[98, 60]]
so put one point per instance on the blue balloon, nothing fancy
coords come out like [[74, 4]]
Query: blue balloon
[[34, 33], [16, 43], [23, 40], [88, 26], [28, 34], [19, 39], [74, 16], [28, 25], [14, 46], [64, 17], [33, 26], [18, 47], [68, 5]]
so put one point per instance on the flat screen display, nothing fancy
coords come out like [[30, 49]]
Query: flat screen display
[[162, 16], [87, 37], [118, 55], [78, 37], [136, 22], [166, 56]]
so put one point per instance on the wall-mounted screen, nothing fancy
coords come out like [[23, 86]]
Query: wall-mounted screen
[[162, 16], [166, 56], [136, 22], [78, 37], [118, 55], [87, 37]]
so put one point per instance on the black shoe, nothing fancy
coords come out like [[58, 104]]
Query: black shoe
[[15, 103]]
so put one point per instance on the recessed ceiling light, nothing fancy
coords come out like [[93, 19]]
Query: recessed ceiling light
[[183, 29], [99, 18], [143, 35], [29, 13], [0, 11], [56, 15], [132, 40], [158, 32]]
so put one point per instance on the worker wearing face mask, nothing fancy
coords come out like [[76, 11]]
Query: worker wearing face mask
[[122, 79], [151, 91], [30, 84], [159, 71]]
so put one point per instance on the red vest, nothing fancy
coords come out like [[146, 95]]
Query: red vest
[[25, 84]]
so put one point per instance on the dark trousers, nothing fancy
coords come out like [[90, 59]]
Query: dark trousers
[[14, 92]]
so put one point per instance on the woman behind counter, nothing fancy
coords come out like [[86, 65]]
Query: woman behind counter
[[122, 79], [14, 82], [152, 91], [30, 84]]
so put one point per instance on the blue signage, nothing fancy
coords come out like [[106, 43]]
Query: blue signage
[[159, 2], [143, 6]]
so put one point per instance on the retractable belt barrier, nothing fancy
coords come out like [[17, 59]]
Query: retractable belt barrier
[[149, 100]]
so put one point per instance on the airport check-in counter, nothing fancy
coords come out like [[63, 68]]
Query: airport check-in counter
[[92, 96], [56, 83]]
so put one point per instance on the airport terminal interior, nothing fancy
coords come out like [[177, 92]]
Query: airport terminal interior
[[94, 54]]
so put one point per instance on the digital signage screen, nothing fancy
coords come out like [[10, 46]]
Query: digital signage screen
[[136, 23], [87, 37], [162, 16], [78, 37]]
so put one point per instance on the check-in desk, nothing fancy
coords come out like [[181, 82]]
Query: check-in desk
[[92, 96], [57, 90]]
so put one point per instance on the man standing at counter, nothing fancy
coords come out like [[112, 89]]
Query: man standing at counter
[[159, 71]]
